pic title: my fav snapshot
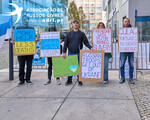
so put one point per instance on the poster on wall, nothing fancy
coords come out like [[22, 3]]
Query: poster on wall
[[128, 40], [102, 40], [37, 60], [91, 66], [50, 44], [24, 42]]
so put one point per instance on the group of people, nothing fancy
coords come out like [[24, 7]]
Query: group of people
[[73, 42]]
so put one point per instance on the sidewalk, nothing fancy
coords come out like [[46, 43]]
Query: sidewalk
[[92, 101]]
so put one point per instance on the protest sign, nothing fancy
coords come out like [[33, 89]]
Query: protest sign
[[91, 66], [50, 44], [24, 42], [128, 39], [126, 69], [102, 40], [65, 67], [37, 60]]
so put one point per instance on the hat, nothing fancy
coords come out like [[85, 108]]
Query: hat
[[75, 21]]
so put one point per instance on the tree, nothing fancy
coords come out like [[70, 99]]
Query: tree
[[76, 14]]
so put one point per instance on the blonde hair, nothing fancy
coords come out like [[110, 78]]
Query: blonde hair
[[99, 25]]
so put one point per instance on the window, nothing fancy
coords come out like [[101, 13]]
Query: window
[[143, 24], [0, 6]]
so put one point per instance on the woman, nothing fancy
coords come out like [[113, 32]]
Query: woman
[[101, 25]]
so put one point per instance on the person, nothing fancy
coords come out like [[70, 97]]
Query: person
[[25, 59], [52, 28], [101, 25], [123, 58], [74, 42]]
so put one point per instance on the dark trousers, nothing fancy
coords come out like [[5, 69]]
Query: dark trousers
[[22, 61], [123, 58], [50, 68]]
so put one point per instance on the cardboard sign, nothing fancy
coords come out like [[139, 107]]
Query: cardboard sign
[[37, 60], [65, 67], [50, 44], [128, 39], [91, 66], [102, 40], [24, 42], [126, 69]]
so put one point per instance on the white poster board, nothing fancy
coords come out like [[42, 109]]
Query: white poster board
[[91, 66], [126, 67], [128, 39], [50, 44], [102, 40]]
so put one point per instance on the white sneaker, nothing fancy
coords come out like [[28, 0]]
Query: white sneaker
[[105, 82], [58, 82]]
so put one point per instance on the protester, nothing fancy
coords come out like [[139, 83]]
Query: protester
[[123, 58], [52, 28], [74, 42], [25, 59], [101, 25]]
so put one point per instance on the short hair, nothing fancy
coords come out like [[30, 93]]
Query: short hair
[[25, 16], [127, 19], [99, 25]]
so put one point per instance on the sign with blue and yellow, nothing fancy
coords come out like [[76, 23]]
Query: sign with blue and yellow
[[24, 42]]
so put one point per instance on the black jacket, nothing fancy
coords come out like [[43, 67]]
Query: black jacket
[[70, 37]]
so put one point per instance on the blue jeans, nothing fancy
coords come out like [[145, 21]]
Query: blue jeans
[[123, 58], [78, 54], [106, 62]]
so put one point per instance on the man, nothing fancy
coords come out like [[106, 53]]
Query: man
[[25, 59], [74, 42], [123, 58], [52, 28]]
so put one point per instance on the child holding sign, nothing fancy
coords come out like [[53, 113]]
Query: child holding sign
[[106, 57]]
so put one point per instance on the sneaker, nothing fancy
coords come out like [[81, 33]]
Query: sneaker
[[105, 82], [20, 84], [122, 81], [58, 82], [80, 83], [48, 82], [69, 82], [29, 82], [131, 81]]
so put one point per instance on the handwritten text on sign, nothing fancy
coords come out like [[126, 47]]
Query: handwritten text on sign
[[24, 42], [102, 40], [91, 65], [50, 45], [128, 40]]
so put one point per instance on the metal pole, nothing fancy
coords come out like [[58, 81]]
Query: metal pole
[[11, 70]]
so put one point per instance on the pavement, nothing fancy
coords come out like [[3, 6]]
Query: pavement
[[92, 101]]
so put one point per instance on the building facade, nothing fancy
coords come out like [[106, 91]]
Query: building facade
[[136, 10], [93, 10]]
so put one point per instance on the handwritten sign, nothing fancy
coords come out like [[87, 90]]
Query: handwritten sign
[[50, 44], [102, 40], [126, 69], [37, 60], [65, 67], [91, 66], [128, 39], [24, 42]]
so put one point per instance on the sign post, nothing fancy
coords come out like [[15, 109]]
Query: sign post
[[91, 66], [102, 40], [24, 42], [50, 44]]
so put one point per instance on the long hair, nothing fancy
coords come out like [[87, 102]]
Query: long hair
[[99, 25]]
